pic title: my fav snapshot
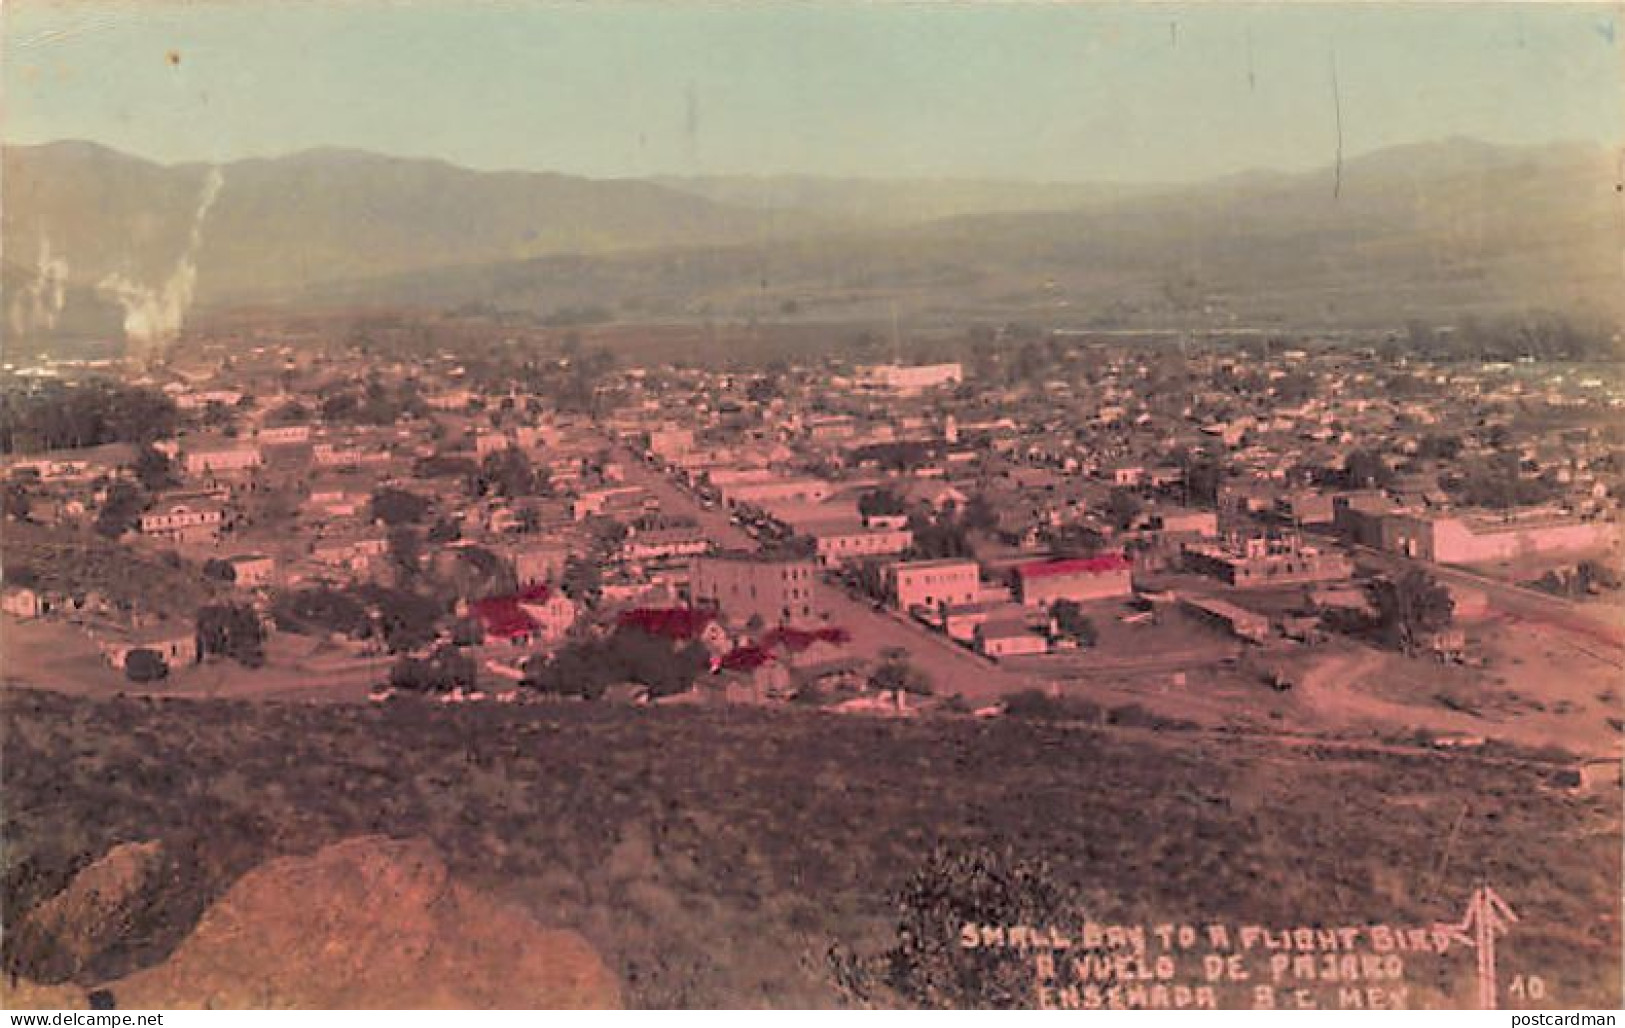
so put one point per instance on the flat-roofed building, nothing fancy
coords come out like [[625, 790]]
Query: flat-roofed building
[[778, 590], [910, 378], [1262, 563], [1478, 538], [222, 459], [842, 540], [185, 521], [933, 583], [1041, 583]]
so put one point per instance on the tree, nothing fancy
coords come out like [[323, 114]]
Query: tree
[[154, 470], [880, 503], [322, 608], [1122, 507], [898, 676], [582, 581], [1411, 607], [979, 514], [445, 669], [144, 665], [220, 570], [18, 501], [121, 510], [1071, 622], [231, 630], [445, 530], [409, 621], [395, 506], [406, 552], [1365, 469], [1203, 477]]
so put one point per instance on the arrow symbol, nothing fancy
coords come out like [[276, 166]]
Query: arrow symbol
[[1487, 916]]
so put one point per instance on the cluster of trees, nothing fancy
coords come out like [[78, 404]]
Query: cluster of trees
[[1071, 622], [903, 456], [121, 510], [1543, 335], [1411, 607], [321, 609], [587, 667], [231, 630], [1499, 483], [395, 506], [880, 503], [59, 416], [405, 620], [144, 665], [508, 473], [1587, 578], [376, 402], [938, 538], [445, 669]]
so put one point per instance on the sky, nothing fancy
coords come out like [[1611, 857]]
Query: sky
[[1055, 91]]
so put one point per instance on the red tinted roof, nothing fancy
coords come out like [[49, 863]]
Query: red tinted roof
[[745, 658], [670, 622], [502, 618], [797, 639], [1078, 566]]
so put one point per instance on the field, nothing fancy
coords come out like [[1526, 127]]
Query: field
[[714, 857]]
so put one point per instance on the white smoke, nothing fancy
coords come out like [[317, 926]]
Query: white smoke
[[153, 317], [39, 304]]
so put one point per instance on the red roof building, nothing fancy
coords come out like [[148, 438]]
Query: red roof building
[[1082, 579]]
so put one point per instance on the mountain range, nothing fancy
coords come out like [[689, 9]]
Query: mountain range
[[96, 241]]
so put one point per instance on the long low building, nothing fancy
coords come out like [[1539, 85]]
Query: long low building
[[838, 541], [1238, 621], [1480, 538], [1263, 563], [1042, 583]]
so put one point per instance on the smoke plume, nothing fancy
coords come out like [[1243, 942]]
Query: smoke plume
[[153, 316], [37, 305]]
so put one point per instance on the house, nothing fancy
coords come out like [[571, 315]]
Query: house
[[906, 379], [1000, 639], [960, 622], [283, 435], [22, 602], [252, 570], [193, 520], [222, 458], [177, 645], [932, 583], [841, 540], [680, 625], [657, 543], [1042, 583], [532, 615], [1267, 562], [1184, 522]]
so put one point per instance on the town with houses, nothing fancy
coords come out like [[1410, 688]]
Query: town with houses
[[1286, 536]]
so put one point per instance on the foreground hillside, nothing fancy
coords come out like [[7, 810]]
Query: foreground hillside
[[714, 857]]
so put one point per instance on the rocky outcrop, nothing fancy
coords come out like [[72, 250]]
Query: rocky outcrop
[[97, 911], [369, 923]]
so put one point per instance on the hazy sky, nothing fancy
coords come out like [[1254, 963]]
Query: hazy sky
[[1054, 91]]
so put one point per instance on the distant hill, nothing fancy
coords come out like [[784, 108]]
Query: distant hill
[[278, 226], [881, 202], [1429, 230]]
